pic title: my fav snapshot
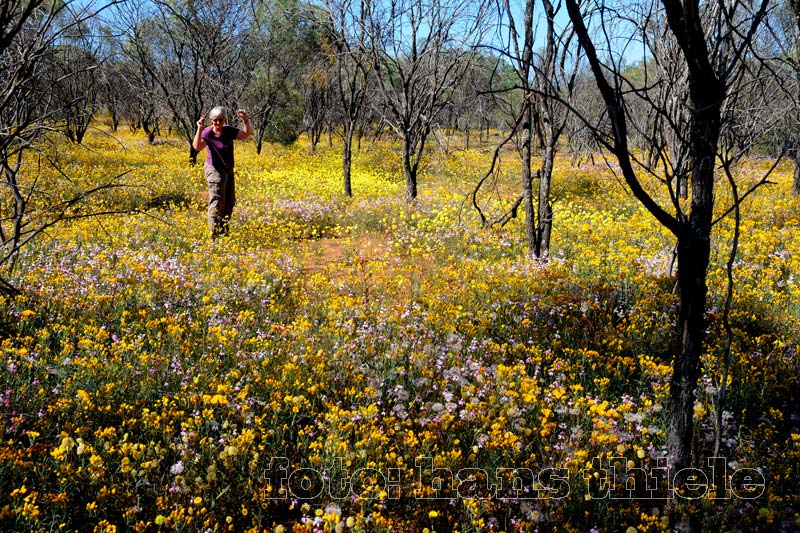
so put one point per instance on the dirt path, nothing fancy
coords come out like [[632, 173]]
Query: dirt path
[[337, 255]]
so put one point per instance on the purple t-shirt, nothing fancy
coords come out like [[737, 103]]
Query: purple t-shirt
[[219, 151]]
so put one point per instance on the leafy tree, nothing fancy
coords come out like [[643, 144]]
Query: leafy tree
[[282, 41]]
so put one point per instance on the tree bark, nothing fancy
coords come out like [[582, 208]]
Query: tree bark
[[193, 155], [410, 170], [693, 254], [706, 95], [527, 183], [545, 226], [795, 6], [693, 233], [347, 159]]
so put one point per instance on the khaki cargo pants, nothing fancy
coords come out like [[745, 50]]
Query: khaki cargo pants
[[221, 199]]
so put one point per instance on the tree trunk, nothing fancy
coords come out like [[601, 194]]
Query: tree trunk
[[410, 171], [545, 226], [795, 5], [259, 136], [693, 253], [706, 96], [314, 135], [347, 159], [11, 242], [527, 183], [151, 134], [682, 186], [694, 248]]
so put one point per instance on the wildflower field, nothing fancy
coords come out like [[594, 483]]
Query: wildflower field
[[367, 364]]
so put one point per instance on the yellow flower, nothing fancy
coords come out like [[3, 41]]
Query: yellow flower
[[84, 396], [59, 454]]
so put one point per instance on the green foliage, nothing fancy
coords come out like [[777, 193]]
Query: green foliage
[[287, 123]]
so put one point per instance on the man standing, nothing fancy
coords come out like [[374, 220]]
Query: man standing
[[218, 138]]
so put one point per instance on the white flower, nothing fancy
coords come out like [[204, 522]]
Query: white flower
[[333, 510]]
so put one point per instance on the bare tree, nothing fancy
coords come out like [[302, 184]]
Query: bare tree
[[74, 78], [141, 102], [666, 119], [30, 32], [346, 49], [793, 57], [191, 53], [523, 62], [556, 71], [587, 109], [318, 112], [546, 79], [714, 40], [475, 106], [420, 51], [111, 80]]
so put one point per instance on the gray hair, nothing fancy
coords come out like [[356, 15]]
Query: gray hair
[[217, 111]]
